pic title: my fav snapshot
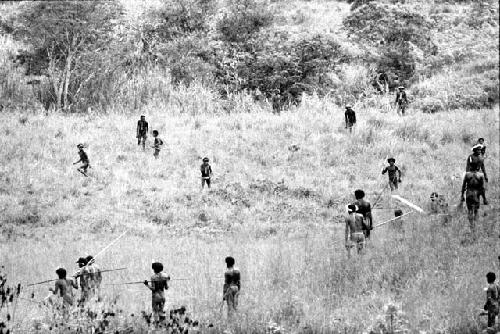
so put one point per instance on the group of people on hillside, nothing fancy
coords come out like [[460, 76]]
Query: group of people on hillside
[[401, 105], [358, 222]]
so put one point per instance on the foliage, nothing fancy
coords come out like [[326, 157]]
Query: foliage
[[243, 19], [275, 66], [72, 54], [395, 33]]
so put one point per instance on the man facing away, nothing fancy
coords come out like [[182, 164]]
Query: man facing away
[[232, 286], [354, 229]]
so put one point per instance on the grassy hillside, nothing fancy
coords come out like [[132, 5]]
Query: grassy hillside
[[281, 183], [275, 210]]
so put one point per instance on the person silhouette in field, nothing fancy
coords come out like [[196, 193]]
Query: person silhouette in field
[[472, 187], [350, 118], [84, 159], [401, 100], [492, 299], [438, 206], [364, 208], [63, 288], [393, 172], [232, 286], [83, 276], [206, 173], [354, 229], [476, 158], [95, 277], [157, 144], [142, 131], [158, 284]]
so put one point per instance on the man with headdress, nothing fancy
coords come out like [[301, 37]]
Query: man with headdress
[[401, 100], [83, 275], [95, 276]]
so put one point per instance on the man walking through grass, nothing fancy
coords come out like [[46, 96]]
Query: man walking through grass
[[365, 209], [84, 159], [158, 284], [350, 118], [83, 275], [354, 229], [394, 174], [232, 286], [492, 299], [63, 288], [472, 187], [401, 100], [95, 277], [142, 132], [476, 158], [206, 173]]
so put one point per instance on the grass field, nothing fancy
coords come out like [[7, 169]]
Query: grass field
[[276, 211]]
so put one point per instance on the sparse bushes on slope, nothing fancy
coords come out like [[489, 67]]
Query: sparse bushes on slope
[[474, 87], [394, 32]]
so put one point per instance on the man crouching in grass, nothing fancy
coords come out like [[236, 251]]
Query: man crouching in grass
[[354, 228]]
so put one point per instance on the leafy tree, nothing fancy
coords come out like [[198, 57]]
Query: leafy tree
[[70, 40]]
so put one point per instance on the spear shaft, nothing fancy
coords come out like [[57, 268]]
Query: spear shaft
[[53, 280]]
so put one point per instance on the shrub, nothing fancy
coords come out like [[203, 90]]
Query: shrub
[[244, 19]]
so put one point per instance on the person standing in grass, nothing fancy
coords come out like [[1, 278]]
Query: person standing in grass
[[354, 229], [350, 118], [401, 100], [158, 284], [95, 277], [439, 207], [157, 144], [476, 158], [472, 187], [393, 172], [63, 288], [206, 173], [492, 299], [232, 286], [142, 131], [83, 275], [364, 207], [84, 159]]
